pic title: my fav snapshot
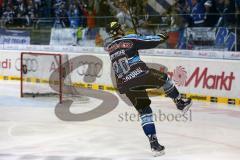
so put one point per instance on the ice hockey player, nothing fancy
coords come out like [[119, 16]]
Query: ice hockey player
[[134, 77]]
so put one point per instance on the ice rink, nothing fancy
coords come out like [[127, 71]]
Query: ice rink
[[30, 130]]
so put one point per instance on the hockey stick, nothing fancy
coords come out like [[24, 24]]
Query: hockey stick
[[128, 2]]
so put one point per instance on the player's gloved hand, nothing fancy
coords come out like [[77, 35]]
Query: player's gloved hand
[[163, 35]]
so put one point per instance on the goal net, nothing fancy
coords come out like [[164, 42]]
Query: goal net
[[45, 75]]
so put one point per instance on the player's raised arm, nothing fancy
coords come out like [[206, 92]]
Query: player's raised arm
[[148, 42]]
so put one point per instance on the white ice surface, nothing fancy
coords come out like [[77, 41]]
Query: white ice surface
[[30, 130]]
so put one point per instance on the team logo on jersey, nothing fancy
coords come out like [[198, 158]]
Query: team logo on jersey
[[121, 45]]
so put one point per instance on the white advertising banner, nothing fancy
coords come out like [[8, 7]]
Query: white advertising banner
[[218, 78], [210, 77], [201, 76]]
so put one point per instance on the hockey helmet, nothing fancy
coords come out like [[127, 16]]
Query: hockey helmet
[[113, 28]]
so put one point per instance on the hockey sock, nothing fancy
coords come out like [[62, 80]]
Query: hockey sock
[[170, 90], [147, 121]]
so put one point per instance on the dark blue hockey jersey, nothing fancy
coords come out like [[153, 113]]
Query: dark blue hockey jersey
[[125, 59]]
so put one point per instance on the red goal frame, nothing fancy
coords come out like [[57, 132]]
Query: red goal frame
[[42, 54]]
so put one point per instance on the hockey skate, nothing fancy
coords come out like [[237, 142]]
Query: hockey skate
[[157, 149], [183, 104]]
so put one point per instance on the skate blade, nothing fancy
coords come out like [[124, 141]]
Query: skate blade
[[158, 153], [185, 110]]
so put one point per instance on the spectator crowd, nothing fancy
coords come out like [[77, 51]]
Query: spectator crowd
[[89, 13], [208, 13], [142, 16], [64, 13]]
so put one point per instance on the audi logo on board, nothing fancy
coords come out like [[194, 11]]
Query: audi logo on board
[[92, 69], [29, 64]]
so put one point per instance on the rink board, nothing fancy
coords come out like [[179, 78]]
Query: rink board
[[211, 80]]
